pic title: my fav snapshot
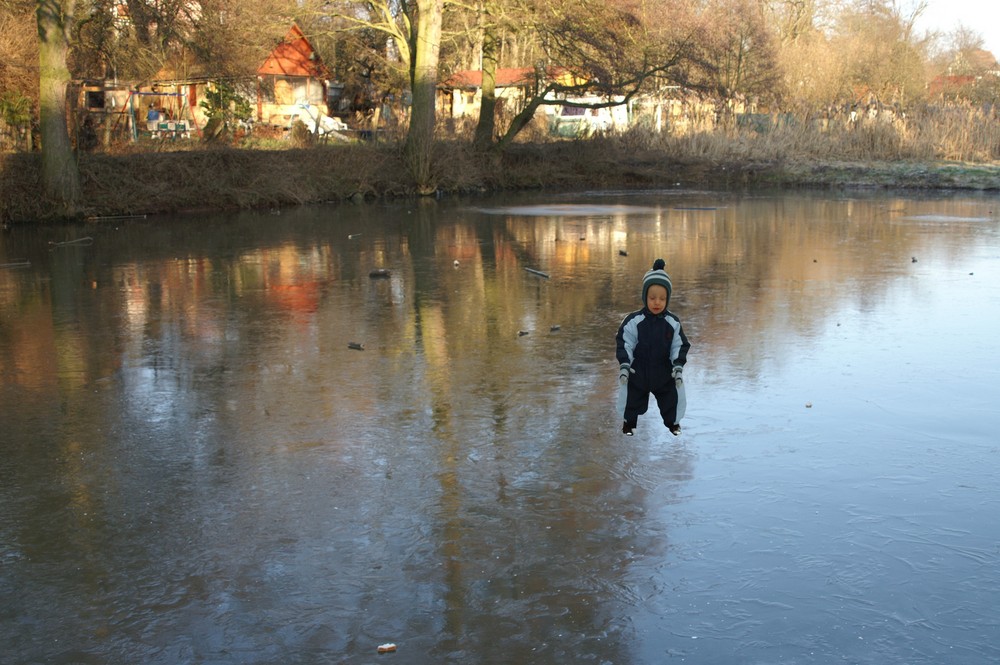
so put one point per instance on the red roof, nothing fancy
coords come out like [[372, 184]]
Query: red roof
[[946, 84], [294, 56]]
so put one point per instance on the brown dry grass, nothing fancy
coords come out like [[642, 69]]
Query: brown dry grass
[[952, 148]]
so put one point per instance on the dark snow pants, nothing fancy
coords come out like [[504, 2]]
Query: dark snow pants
[[637, 402]]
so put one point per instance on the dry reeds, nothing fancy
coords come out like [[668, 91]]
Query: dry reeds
[[932, 133]]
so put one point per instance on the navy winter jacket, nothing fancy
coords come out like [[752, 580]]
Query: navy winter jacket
[[652, 345]]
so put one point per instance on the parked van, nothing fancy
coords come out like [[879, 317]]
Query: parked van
[[577, 121]]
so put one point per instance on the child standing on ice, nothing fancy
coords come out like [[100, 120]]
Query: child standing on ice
[[652, 350]]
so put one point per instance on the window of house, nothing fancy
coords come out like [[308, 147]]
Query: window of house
[[293, 89], [95, 99], [284, 90]]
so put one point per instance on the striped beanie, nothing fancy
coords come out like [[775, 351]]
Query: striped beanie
[[656, 276]]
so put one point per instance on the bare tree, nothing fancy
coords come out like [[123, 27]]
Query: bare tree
[[964, 38], [414, 28], [425, 43], [884, 57], [793, 20], [60, 174], [487, 35], [390, 23], [137, 39], [232, 37], [815, 75], [739, 52], [490, 49], [613, 50]]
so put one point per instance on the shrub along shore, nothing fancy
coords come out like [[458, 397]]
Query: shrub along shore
[[189, 176]]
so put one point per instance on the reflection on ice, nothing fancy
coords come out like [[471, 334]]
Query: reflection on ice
[[568, 210], [946, 219], [197, 466]]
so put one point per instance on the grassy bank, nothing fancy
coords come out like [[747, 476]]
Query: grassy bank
[[177, 177]]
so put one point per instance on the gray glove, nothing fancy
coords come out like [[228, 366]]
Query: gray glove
[[677, 373], [623, 371]]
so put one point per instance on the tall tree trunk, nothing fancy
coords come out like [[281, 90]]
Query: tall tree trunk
[[60, 174], [426, 49], [487, 107]]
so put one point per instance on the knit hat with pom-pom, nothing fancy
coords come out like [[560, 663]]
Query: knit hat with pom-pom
[[656, 276]]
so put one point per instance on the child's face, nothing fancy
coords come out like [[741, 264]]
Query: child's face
[[656, 298]]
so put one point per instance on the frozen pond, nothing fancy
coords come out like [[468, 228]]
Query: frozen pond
[[197, 467]]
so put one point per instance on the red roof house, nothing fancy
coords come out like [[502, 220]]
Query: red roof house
[[292, 74]]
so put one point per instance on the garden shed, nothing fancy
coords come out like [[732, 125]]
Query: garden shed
[[293, 74]]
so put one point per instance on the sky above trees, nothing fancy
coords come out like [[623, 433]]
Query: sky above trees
[[982, 16]]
